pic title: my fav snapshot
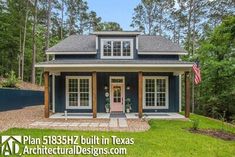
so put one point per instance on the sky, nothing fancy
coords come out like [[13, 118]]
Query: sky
[[119, 11]]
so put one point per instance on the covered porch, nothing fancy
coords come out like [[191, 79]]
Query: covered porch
[[138, 72]]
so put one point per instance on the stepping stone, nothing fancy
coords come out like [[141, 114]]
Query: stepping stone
[[122, 122], [55, 124], [113, 122], [74, 124], [103, 125], [94, 124], [44, 124], [84, 124], [63, 124], [34, 124]]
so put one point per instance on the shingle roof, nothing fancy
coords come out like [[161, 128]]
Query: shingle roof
[[87, 43], [158, 43], [75, 43]]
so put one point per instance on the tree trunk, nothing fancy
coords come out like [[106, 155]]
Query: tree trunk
[[48, 27], [194, 27], [62, 19], [189, 24], [19, 57], [34, 42], [24, 40]]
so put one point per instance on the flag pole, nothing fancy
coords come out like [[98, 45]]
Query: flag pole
[[193, 93]]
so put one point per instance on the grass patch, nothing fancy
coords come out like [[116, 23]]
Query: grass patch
[[166, 138]]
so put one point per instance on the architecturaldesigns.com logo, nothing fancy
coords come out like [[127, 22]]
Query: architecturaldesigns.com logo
[[10, 145]]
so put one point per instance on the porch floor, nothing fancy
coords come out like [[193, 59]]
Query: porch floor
[[159, 115]]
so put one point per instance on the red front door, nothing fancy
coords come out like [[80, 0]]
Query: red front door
[[117, 98]]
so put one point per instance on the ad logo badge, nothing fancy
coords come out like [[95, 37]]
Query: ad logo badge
[[10, 145]]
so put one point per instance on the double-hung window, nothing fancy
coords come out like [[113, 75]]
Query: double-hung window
[[78, 92], [155, 92], [116, 48]]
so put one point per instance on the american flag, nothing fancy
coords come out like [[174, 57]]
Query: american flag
[[197, 73]]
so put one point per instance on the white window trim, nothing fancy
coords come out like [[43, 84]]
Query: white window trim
[[67, 93], [117, 57], [167, 92]]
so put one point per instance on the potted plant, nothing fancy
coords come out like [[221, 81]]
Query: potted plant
[[128, 105], [107, 105]]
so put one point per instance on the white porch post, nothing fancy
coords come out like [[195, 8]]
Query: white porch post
[[53, 93], [180, 94]]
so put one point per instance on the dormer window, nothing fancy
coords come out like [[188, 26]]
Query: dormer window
[[116, 48]]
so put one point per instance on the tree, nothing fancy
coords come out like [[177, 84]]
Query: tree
[[144, 16], [109, 26], [94, 22], [34, 42], [48, 27], [216, 54]]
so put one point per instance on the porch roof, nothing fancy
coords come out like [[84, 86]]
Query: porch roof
[[116, 65]]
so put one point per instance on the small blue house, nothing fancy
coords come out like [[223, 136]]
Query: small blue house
[[108, 70]]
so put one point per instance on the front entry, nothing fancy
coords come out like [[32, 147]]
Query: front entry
[[117, 95]]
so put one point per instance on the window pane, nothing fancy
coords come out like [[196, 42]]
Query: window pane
[[116, 94], [73, 92], [73, 99], [107, 48], [161, 92], [117, 80], [73, 85], [84, 92], [117, 48], [126, 48], [84, 99], [150, 92], [84, 85], [150, 85]]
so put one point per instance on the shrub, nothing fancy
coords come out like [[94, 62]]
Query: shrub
[[107, 103], [128, 103], [195, 124], [11, 80]]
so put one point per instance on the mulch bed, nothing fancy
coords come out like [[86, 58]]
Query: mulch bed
[[215, 133]]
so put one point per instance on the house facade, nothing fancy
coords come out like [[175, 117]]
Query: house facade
[[113, 69]]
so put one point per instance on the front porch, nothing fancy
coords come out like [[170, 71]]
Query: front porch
[[133, 86]]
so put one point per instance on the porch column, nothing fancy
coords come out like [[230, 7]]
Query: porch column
[[140, 94], [46, 94], [94, 94], [187, 94]]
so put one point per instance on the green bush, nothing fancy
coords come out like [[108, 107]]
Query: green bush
[[128, 103], [10, 81], [195, 124], [107, 103]]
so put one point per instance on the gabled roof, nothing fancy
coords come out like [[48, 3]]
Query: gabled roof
[[158, 45], [75, 44], [86, 44]]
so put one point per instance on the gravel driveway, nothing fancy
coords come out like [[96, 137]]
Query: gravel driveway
[[20, 118], [24, 118]]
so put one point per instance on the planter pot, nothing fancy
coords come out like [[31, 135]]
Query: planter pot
[[107, 110], [128, 110]]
